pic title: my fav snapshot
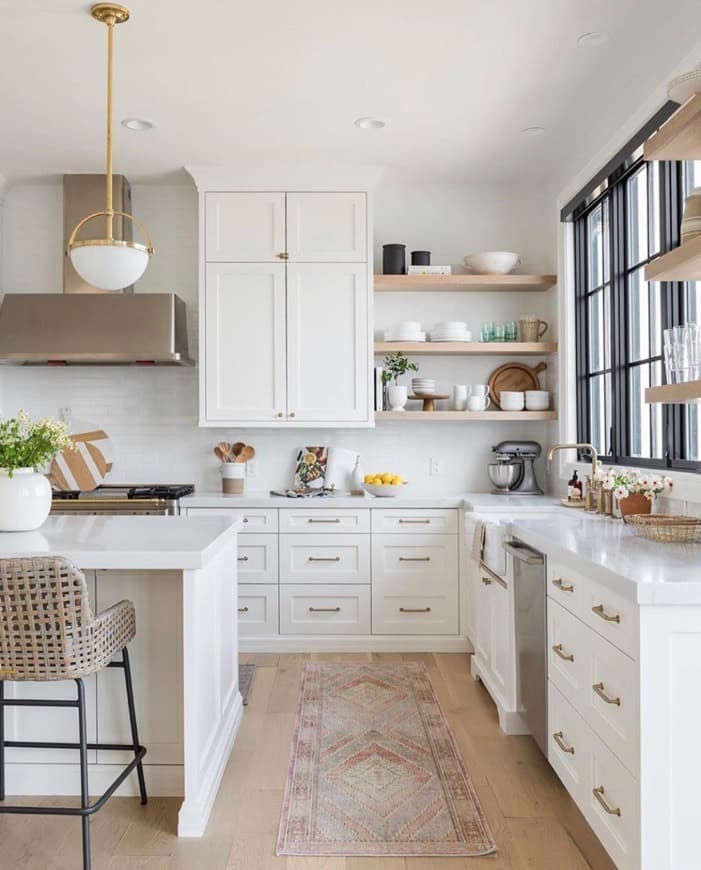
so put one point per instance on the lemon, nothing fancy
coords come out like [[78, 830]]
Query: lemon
[[394, 482], [397, 479], [368, 478], [387, 477]]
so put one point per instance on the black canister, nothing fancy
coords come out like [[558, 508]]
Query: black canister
[[394, 259], [420, 258]]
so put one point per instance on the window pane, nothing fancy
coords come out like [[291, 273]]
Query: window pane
[[638, 317], [691, 175], [595, 239], [655, 210], [637, 217], [606, 259], [655, 294], [692, 301], [645, 436], [692, 445], [600, 420]]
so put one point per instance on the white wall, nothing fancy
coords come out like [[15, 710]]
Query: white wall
[[151, 414]]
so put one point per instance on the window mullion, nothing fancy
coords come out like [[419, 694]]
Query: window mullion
[[619, 341]]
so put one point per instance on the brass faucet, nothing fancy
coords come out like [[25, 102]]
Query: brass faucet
[[592, 496]]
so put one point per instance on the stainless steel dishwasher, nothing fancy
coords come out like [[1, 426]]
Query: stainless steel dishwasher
[[528, 575]]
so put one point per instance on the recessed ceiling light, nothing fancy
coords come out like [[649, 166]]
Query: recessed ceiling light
[[592, 39], [369, 123], [139, 125], [533, 131]]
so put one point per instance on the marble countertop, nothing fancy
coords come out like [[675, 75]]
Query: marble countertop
[[126, 542]]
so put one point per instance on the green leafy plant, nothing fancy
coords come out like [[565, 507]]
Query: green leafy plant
[[396, 365], [27, 443]]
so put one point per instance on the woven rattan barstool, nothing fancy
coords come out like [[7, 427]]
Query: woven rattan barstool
[[48, 632]]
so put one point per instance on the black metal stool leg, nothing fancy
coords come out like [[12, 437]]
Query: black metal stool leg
[[2, 740], [132, 722], [84, 791]]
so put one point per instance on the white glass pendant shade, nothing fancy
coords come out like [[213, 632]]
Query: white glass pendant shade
[[109, 266]]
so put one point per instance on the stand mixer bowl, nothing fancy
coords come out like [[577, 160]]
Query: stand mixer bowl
[[505, 475]]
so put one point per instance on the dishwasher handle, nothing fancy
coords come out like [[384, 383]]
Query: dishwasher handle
[[524, 553]]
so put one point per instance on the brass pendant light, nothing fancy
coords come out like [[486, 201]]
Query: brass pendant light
[[108, 263]]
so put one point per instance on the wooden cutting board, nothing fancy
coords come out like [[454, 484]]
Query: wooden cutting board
[[514, 376], [86, 467]]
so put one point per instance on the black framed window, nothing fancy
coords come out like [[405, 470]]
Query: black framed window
[[632, 217]]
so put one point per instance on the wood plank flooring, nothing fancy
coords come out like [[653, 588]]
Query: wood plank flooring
[[536, 825]]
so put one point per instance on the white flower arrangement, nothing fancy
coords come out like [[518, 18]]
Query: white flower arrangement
[[626, 481]]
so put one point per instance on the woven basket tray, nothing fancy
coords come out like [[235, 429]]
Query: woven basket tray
[[666, 529]]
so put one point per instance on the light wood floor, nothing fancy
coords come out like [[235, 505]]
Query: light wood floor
[[536, 825]]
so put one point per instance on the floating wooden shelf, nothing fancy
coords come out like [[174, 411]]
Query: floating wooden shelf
[[467, 416], [681, 264], [463, 283], [680, 137], [674, 393], [468, 348]]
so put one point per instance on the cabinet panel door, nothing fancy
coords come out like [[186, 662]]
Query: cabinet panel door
[[502, 660], [245, 342], [326, 227], [327, 334], [244, 227]]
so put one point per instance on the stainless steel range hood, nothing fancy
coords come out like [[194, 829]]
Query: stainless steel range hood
[[86, 326]]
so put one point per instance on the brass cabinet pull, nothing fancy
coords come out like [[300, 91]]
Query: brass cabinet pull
[[245, 519], [324, 558], [243, 610], [599, 611], [599, 689], [279, 414], [559, 583], [414, 609], [324, 609], [557, 737], [414, 522], [284, 255], [314, 520], [486, 581], [599, 795], [568, 657], [292, 413], [242, 558], [414, 558]]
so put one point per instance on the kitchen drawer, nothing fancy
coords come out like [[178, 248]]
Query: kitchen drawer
[[569, 642], [612, 616], [306, 609], [407, 521], [324, 558], [257, 558], [568, 744], [566, 587], [258, 609], [254, 519], [324, 520], [431, 612], [416, 565]]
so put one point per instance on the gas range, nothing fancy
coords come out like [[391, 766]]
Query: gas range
[[122, 499]]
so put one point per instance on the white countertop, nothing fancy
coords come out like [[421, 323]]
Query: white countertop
[[609, 551], [131, 542]]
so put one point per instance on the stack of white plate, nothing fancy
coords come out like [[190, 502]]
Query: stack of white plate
[[451, 330], [423, 386], [407, 330]]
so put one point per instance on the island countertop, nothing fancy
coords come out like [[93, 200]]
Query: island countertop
[[126, 542]]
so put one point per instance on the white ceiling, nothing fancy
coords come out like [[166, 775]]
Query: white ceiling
[[229, 81]]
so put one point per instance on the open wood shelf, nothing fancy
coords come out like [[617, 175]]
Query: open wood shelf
[[467, 348], [680, 137], [681, 264], [463, 283], [467, 416], [674, 393]]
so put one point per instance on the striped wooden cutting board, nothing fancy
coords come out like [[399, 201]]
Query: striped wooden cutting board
[[86, 467]]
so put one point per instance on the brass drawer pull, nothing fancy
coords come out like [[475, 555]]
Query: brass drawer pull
[[599, 611], [599, 689], [560, 584], [486, 581], [557, 737], [324, 558], [314, 520], [414, 558], [414, 609], [284, 256], [568, 657], [599, 795], [324, 609], [242, 558], [414, 522], [245, 519], [243, 610]]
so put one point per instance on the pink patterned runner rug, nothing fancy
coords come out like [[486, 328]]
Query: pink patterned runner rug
[[374, 769]]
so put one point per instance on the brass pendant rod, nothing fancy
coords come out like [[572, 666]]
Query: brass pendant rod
[[110, 22]]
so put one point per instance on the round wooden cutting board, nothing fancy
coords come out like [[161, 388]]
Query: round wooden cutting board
[[514, 376], [86, 467]]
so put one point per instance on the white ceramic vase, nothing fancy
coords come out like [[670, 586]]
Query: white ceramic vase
[[397, 396], [25, 500]]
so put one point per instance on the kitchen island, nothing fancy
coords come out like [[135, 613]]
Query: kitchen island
[[180, 572]]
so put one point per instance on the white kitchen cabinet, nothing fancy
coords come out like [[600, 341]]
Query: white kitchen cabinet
[[306, 558], [245, 343], [327, 342], [244, 227], [257, 558], [258, 609], [310, 609], [326, 227]]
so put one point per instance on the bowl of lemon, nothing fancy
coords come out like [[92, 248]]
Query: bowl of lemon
[[384, 485]]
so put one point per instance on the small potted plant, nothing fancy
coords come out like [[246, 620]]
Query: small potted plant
[[26, 446], [396, 365], [634, 491]]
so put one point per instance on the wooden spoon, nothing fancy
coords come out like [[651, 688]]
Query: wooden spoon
[[223, 451], [247, 453], [237, 448]]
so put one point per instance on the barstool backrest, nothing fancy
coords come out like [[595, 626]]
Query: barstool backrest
[[44, 616]]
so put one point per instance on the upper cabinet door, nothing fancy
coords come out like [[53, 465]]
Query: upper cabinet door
[[327, 227], [245, 227], [327, 342], [245, 342]]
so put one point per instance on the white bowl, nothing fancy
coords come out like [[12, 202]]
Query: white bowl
[[386, 490], [492, 262], [511, 400]]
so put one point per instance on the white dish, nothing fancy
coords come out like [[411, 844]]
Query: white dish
[[512, 400], [417, 336], [385, 490], [450, 326], [492, 262]]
